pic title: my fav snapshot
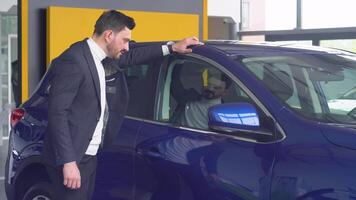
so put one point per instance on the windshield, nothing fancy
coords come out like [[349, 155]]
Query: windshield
[[318, 86]]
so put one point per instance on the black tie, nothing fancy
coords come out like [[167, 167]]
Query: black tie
[[107, 63], [117, 99], [110, 66]]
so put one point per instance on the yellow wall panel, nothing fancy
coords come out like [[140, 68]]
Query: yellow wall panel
[[205, 19], [24, 50], [67, 25]]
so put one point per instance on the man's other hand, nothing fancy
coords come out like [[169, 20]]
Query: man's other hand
[[71, 175], [182, 45]]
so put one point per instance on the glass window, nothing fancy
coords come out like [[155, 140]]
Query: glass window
[[191, 87], [141, 82], [328, 14], [320, 86], [348, 45], [8, 54]]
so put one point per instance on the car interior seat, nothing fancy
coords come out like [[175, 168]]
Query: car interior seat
[[279, 82], [186, 85]]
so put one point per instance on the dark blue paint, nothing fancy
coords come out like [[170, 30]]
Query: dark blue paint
[[159, 161], [115, 170], [198, 165]]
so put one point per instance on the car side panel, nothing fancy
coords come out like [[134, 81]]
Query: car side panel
[[310, 167], [174, 163], [114, 179]]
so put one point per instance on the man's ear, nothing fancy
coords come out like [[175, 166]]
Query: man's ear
[[108, 35]]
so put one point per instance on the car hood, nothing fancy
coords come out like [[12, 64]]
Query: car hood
[[340, 135], [342, 105]]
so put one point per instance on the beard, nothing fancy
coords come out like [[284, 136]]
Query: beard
[[208, 94], [113, 52]]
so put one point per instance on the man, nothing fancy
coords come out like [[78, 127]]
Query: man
[[192, 109], [77, 101]]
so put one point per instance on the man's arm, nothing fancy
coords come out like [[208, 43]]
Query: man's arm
[[142, 55], [64, 86]]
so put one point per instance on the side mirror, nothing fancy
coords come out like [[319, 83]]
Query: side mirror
[[234, 116], [239, 119]]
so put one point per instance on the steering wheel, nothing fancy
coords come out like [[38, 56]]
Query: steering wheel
[[352, 113]]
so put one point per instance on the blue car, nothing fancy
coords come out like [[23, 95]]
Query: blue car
[[228, 121]]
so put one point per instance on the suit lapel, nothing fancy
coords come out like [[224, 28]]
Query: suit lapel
[[92, 67]]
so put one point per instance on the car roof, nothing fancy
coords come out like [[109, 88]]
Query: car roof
[[235, 47], [231, 47]]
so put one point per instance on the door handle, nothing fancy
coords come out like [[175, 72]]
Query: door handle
[[152, 153]]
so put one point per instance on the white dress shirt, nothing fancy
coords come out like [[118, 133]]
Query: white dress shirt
[[98, 55]]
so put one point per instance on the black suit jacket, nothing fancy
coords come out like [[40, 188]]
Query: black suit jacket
[[74, 101]]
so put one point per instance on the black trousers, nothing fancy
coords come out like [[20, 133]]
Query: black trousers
[[87, 168]]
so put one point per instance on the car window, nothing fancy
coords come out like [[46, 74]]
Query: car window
[[350, 94], [319, 86], [265, 72], [185, 95], [141, 83], [40, 97]]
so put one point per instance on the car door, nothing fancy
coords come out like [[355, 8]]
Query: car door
[[115, 174], [176, 160], [317, 158]]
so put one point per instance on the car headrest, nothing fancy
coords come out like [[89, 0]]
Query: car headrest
[[279, 82]]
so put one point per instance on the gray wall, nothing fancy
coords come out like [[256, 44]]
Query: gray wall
[[221, 28], [13, 49], [37, 22]]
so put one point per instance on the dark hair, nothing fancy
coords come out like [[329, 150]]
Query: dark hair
[[113, 20]]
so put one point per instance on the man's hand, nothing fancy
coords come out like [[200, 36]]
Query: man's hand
[[181, 46], [71, 175]]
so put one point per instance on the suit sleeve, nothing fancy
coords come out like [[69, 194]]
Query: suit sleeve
[[140, 55], [64, 87]]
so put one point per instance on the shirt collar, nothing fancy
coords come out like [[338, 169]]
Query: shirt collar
[[97, 50]]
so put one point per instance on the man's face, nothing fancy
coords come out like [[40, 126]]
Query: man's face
[[118, 43], [216, 89]]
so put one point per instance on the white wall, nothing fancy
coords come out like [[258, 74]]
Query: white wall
[[281, 14], [6, 4], [224, 8]]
